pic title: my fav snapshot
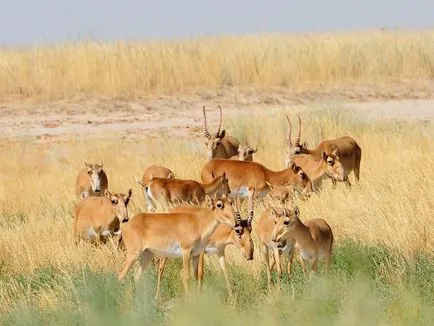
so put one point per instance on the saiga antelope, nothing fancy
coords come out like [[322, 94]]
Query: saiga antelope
[[219, 145], [314, 238], [245, 153], [91, 181], [183, 234], [243, 176], [328, 166], [100, 217], [349, 152], [240, 235], [154, 171], [272, 253], [175, 190]]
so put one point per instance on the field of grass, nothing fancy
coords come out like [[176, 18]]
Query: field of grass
[[382, 272], [296, 62]]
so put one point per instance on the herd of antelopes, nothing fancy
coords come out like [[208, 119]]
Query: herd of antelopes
[[206, 216]]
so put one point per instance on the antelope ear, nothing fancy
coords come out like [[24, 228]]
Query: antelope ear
[[335, 152], [296, 211], [85, 164], [130, 193], [222, 134], [107, 193], [101, 165], [171, 176], [273, 212]]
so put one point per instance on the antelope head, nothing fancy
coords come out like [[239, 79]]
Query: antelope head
[[120, 202], [245, 152], [284, 224], [334, 167], [94, 171], [213, 141]]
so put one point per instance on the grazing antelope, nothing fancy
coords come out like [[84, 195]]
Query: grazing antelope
[[100, 217], [328, 166], [350, 153], [180, 234], [240, 235], [219, 145], [314, 238], [175, 190], [243, 176], [245, 153], [272, 253], [91, 181]]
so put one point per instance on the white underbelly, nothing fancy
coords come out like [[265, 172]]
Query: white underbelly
[[211, 250], [243, 192], [172, 251]]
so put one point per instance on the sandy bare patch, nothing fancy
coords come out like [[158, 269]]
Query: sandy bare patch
[[181, 115]]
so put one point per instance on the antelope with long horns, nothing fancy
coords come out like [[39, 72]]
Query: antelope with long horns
[[219, 145]]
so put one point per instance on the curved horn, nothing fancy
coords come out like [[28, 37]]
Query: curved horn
[[297, 140], [205, 127], [220, 122], [251, 208], [288, 136], [237, 210]]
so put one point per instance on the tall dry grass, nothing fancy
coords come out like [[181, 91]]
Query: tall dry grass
[[392, 206], [134, 69]]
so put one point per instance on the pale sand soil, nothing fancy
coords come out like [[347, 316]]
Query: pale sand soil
[[182, 115]]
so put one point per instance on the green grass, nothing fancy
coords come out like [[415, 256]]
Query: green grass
[[367, 285]]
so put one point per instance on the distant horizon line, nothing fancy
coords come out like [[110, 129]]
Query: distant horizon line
[[196, 36]]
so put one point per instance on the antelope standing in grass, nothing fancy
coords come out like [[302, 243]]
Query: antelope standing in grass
[[314, 238], [180, 234], [219, 145], [272, 253], [176, 190], [349, 152], [240, 235], [243, 176], [154, 171], [97, 218], [91, 181], [245, 153]]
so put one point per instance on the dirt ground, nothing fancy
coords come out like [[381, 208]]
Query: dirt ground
[[182, 115]]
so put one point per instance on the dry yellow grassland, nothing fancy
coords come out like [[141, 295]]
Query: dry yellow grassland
[[133, 69]]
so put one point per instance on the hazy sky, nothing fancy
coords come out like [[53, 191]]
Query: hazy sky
[[25, 22]]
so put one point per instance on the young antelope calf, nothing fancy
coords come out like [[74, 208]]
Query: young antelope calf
[[273, 252], [314, 238], [100, 217]]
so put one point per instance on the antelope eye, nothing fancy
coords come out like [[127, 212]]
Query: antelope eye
[[219, 204], [114, 201], [238, 230], [286, 222], [330, 162], [89, 171]]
